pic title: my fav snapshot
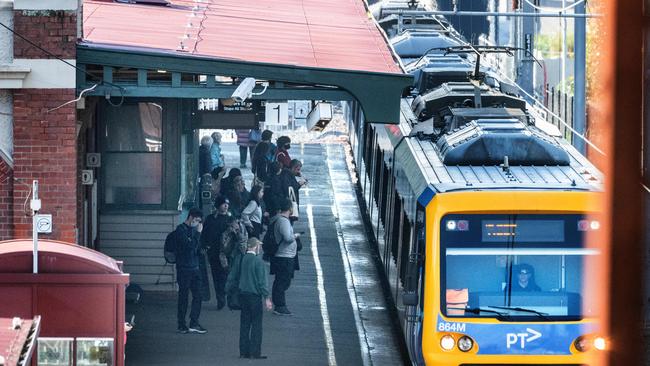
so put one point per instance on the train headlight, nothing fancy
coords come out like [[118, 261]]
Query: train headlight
[[600, 343], [447, 342], [465, 343], [451, 225], [582, 344]]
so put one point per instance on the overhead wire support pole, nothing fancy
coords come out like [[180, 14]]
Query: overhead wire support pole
[[493, 14], [579, 81]]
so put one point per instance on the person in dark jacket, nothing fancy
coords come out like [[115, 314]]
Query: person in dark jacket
[[238, 196], [290, 177], [249, 275], [228, 182], [261, 163], [186, 247], [215, 225], [273, 188]]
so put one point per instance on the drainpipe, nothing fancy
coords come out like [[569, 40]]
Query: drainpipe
[[6, 99]]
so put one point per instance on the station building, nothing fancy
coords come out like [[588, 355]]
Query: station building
[[99, 103]]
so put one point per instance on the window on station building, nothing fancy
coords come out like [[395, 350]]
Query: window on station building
[[133, 159]]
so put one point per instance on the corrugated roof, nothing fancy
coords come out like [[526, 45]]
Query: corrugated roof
[[332, 34], [17, 345]]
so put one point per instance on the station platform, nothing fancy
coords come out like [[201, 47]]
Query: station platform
[[340, 312]]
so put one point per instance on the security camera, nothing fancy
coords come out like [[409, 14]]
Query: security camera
[[244, 90]]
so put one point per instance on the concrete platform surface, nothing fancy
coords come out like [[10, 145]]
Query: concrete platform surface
[[340, 316]]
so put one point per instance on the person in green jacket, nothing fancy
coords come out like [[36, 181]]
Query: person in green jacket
[[254, 296]]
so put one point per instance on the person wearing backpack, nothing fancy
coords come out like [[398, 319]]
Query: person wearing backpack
[[283, 261], [183, 246]]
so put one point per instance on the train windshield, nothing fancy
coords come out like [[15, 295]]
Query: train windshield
[[515, 267]]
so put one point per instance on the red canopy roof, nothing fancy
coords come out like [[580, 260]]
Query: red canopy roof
[[334, 34], [16, 256]]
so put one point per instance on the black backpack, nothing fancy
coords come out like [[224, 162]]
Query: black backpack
[[170, 248], [269, 244]]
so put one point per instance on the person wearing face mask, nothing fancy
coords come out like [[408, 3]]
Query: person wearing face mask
[[185, 244], [282, 154]]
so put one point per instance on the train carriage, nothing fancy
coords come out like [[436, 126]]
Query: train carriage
[[462, 201]]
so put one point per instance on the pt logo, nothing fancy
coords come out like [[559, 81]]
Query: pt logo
[[512, 339]]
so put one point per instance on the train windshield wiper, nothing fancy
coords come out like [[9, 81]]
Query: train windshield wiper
[[523, 310], [481, 310]]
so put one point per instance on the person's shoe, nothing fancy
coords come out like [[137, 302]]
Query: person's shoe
[[244, 356], [182, 329], [281, 310], [220, 304], [197, 328], [259, 357], [242, 166]]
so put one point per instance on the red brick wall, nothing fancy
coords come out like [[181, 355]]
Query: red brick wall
[[53, 30], [6, 200], [45, 148]]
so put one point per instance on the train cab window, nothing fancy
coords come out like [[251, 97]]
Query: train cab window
[[515, 266]]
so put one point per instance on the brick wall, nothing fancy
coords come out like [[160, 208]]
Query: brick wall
[[6, 200], [53, 30], [45, 148]]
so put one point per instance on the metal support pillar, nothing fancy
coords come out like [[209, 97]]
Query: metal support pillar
[[579, 93], [527, 41]]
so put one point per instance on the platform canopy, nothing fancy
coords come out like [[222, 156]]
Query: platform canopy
[[317, 49]]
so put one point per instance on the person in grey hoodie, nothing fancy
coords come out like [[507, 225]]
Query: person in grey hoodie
[[283, 263]]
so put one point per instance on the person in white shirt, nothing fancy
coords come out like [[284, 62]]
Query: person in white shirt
[[252, 214]]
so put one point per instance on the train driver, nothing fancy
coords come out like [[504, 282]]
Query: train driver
[[525, 279]]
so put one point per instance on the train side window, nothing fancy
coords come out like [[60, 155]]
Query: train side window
[[398, 221], [407, 236]]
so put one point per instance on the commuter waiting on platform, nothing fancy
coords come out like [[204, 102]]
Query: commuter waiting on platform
[[215, 225], [284, 262], [205, 160], [525, 279], [233, 242], [238, 196], [261, 164], [184, 243], [228, 182], [254, 138], [249, 275], [282, 155], [253, 213], [244, 143], [290, 179], [215, 155]]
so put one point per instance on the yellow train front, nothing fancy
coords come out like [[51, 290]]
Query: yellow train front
[[504, 275], [480, 217]]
